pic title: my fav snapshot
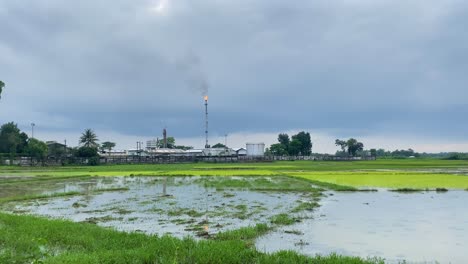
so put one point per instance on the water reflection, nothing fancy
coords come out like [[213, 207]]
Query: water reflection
[[419, 227]]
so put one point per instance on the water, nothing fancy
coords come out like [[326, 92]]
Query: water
[[418, 227], [187, 208]]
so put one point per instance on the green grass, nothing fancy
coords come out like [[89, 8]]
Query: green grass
[[388, 179], [245, 233], [348, 175], [36, 197], [272, 183], [282, 219], [305, 206], [184, 211], [27, 239]]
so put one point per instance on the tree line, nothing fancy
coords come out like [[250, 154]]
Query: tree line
[[15, 143], [298, 145]]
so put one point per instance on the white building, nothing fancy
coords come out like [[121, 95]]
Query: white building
[[240, 151], [152, 144], [219, 152], [255, 149], [194, 152]]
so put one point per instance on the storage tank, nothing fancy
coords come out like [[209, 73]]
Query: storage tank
[[255, 149]]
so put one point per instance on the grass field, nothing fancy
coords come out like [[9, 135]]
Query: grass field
[[27, 239], [361, 174]]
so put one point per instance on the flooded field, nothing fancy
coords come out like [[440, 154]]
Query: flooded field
[[179, 206], [419, 227]]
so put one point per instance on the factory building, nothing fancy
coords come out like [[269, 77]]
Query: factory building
[[219, 152], [152, 144]]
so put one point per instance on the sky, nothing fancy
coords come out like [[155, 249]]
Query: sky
[[391, 73]]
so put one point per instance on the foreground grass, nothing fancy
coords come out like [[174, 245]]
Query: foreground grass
[[27, 239]]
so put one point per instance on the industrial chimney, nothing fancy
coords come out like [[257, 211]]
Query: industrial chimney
[[164, 138], [206, 122]]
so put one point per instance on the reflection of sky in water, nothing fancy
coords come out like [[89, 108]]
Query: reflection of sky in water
[[420, 227], [143, 208]]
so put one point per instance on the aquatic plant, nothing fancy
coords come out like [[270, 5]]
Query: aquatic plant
[[282, 219]]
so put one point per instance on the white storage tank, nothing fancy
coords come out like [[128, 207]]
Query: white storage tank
[[255, 149]]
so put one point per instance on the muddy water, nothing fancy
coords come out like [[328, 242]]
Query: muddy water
[[186, 208], [419, 227]]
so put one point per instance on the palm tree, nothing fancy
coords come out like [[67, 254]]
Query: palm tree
[[2, 84], [89, 139], [108, 146]]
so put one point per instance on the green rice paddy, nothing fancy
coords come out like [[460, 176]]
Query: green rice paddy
[[420, 174], [28, 239]]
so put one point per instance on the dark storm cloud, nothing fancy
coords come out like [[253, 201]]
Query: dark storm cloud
[[356, 66]]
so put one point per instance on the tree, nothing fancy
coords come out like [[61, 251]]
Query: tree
[[10, 138], [183, 147], [351, 146], [278, 150], [342, 144], [284, 140], [56, 150], [2, 85], [170, 143], [36, 149], [382, 153], [373, 152], [354, 146], [108, 146], [23, 142], [295, 147], [89, 139], [87, 152], [219, 145], [305, 147]]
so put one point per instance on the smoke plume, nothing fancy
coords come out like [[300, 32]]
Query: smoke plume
[[191, 68]]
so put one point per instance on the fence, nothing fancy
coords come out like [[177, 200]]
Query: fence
[[26, 161]]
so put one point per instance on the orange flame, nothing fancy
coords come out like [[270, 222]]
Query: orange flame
[[206, 97]]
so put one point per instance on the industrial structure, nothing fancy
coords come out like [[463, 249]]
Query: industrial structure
[[162, 148], [207, 146], [255, 149]]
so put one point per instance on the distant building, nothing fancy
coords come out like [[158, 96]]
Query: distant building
[[136, 152], [255, 149], [194, 152], [114, 153], [152, 144], [240, 151], [219, 152], [166, 152], [55, 149]]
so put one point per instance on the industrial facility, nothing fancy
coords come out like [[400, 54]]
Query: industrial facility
[[159, 147]]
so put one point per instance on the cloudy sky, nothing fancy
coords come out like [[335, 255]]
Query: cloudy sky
[[392, 73]]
